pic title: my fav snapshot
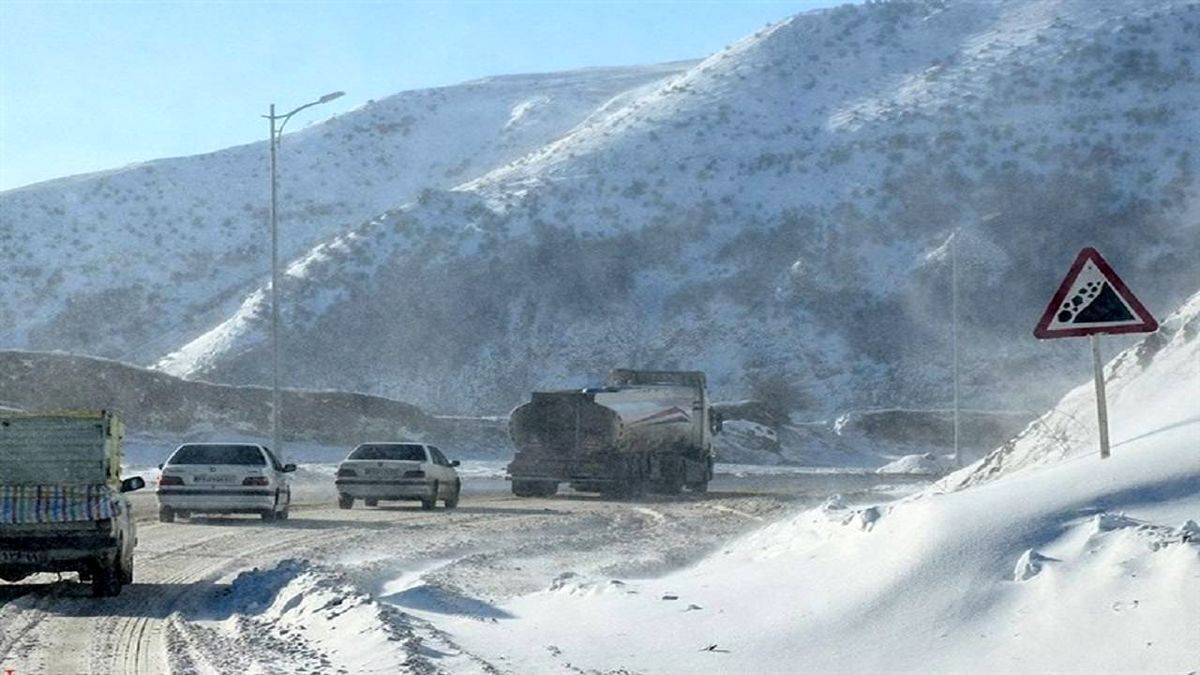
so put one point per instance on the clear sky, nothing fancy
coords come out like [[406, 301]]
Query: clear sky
[[86, 86]]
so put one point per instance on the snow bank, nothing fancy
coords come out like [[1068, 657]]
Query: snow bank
[[1083, 565], [927, 464]]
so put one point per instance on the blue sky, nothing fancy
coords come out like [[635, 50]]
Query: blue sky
[[86, 86]]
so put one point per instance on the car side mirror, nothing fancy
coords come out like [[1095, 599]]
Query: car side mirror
[[134, 483], [288, 468], [160, 466], [454, 462]]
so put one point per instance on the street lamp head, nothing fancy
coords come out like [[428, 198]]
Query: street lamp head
[[329, 97]]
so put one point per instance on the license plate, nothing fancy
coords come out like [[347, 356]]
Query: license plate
[[25, 557], [212, 479], [381, 472]]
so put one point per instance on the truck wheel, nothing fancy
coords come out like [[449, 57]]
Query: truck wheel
[[166, 514], [698, 488], [671, 484], [282, 515], [345, 502], [127, 573], [524, 488], [452, 501], [534, 488], [268, 515], [428, 504], [107, 578], [371, 502]]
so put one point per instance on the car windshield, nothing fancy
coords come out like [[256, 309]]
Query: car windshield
[[391, 451], [247, 455]]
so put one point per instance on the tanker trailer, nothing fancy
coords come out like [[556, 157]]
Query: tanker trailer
[[643, 430]]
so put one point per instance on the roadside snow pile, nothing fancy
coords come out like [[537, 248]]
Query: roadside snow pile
[[301, 617], [1082, 565], [927, 464]]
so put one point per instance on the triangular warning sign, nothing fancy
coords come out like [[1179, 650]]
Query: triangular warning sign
[[1092, 300]]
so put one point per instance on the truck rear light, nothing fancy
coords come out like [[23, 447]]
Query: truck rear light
[[414, 474], [346, 473], [170, 480], [256, 480]]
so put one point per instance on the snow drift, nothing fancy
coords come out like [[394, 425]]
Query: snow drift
[[1058, 561]]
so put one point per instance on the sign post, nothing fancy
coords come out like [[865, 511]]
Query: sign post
[[1093, 301]]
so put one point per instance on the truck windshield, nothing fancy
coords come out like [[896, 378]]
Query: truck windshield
[[390, 451], [248, 455]]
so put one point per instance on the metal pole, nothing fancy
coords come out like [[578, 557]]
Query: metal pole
[[276, 137], [954, 334], [1101, 402], [275, 406]]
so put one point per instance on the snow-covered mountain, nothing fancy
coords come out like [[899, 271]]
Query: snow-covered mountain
[[134, 262], [777, 215]]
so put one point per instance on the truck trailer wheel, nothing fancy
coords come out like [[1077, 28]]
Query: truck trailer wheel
[[698, 488], [345, 502], [534, 488]]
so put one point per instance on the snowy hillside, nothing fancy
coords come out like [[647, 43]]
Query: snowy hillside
[[1083, 565], [777, 215], [133, 262]]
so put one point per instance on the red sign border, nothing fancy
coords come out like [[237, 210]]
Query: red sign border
[[1148, 325]]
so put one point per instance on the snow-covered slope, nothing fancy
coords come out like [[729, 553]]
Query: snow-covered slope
[[133, 262], [779, 213], [1080, 565], [1152, 388]]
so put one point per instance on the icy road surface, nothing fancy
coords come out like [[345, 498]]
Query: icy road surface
[[318, 593]]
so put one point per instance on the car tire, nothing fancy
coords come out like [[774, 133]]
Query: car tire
[[127, 573], [107, 579], [345, 502], [166, 515], [428, 504], [371, 502], [268, 516], [452, 501]]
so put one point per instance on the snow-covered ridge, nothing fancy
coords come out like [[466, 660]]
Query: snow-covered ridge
[[131, 263], [793, 189]]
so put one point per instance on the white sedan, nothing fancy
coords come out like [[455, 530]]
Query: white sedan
[[224, 478], [375, 472]]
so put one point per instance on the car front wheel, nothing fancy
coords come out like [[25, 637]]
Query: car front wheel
[[452, 501], [428, 503]]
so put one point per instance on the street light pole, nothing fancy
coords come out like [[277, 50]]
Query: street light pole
[[275, 138]]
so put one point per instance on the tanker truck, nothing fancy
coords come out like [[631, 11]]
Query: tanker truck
[[644, 430]]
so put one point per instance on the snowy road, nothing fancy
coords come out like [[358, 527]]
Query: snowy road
[[189, 611]]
